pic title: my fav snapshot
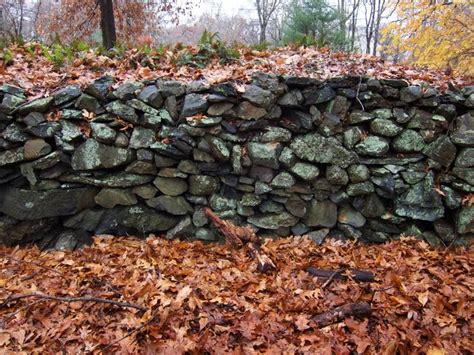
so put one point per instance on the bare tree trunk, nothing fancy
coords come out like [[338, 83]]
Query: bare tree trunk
[[107, 23]]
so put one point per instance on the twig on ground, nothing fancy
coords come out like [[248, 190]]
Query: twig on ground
[[329, 280], [336, 315], [72, 299]]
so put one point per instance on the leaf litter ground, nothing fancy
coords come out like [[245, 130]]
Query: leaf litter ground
[[209, 298], [39, 76]]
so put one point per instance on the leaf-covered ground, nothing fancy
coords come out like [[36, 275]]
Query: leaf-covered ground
[[31, 69], [210, 299]]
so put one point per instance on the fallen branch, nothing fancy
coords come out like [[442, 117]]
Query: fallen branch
[[72, 299], [358, 275], [336, 315], [239, 236]]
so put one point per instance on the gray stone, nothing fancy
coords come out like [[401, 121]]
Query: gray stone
[[336, 175], [36, 148], [199, 218], [14, 133], [373, 206], [221, 203], [262, 188], [70, 132], [463, 133], [14, 232], [318, 149], [151, 96], [347, 215], [287, 158], [109, 198], [103, 133], [247, 111], [193, 104], [360, 188], [141, 167], [293, 98], [442, 150], [411, 93], [385, 127], [264, 154], [305, 171], [373, 146], [273, 221], [283, 180], [314, 96], [321, 213], [72, 239], [202, 185], [465, 158], [145, 191], [154, 120], [175, 205], [258, 96], [352, 136], [171, 186], [319, 235], [100, 87], [466, 174], [203, 122], [357, 117], [128, 90], [218, 147], [465, 220], [184, 228], [250, 200], [142, 138], [220, 108], [275, 134], [34, 119], [29, 205], [171, 88], [296, 206], [120, 179], [88, 103], [123, 111], [205, 234], [121, 140], [139, 219], [358, 173], [38, 105], [409, 141], [94, 155], [12, 156], [421, 202]]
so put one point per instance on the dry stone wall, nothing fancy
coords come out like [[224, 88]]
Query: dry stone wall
[[351, 157]]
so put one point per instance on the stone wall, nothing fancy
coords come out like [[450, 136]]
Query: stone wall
[[351, 157]]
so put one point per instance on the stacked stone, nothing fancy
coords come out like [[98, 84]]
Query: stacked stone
[[350, 157]]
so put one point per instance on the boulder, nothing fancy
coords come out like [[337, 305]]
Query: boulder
[[30, 205]]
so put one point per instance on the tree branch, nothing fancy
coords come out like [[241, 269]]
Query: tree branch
[[72, 299]]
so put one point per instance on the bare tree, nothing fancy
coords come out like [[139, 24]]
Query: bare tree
[[14, 15], [265, 11], [375, 12]]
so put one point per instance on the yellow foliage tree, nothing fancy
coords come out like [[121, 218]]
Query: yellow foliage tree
[[435, 33]]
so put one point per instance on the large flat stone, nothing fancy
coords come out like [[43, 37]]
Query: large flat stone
[[29, 205]]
